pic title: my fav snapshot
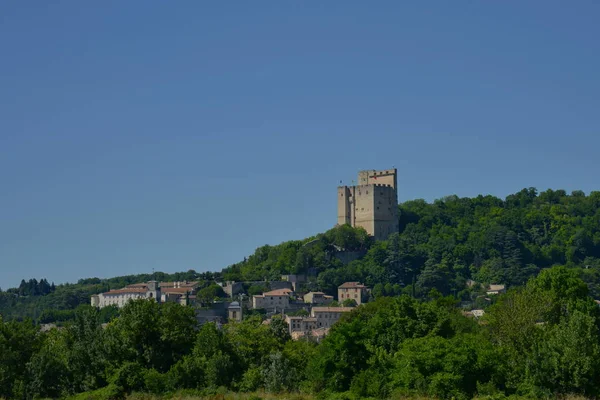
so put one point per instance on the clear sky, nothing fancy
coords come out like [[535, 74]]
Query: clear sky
[[182, 135]]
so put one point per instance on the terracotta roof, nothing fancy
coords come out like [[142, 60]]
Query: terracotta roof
[[126, 290], [278, 292], [348, 285], [332, 309], [137, 285], [181, 284], [176, 290], [318, 333]]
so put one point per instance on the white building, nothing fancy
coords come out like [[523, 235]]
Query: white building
[[120, 297]]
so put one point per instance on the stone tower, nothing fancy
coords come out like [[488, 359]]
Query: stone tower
[[372, 204], [234, 312]]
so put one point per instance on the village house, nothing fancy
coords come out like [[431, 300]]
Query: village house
[[317, 298], [496, 289], [300, 325], [353, 290], [295, 280], [181, 295], [275, 299], [327, 316]]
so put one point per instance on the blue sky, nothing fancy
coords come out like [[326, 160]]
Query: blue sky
[[139, 135]]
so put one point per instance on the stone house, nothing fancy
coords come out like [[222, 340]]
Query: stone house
[[317, 298], [275, 299], [353, 290], [327, 316]]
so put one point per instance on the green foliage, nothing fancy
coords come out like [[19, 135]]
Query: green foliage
[[210, 293], [19, 342], [349, 303], [541, 339], [153, 335]]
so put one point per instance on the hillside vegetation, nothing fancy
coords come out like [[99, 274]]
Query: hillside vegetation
[[541, 339], [441, 245]]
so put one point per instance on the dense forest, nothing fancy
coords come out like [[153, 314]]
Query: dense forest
[[538, 340], [444, 244]]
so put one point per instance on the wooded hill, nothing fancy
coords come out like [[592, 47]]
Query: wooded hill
[[440, 246]]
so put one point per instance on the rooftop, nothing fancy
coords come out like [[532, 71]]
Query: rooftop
[[332, 309], [349, 285], [182, 290], [278, 292], [181, 284], [137, 285], [126, 291]]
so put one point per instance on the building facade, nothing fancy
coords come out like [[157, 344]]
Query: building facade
[[372, 204], [317, 298], [353, 290], [120, 297], [300, 324], [234, 312], [275, 299], [325, 317]]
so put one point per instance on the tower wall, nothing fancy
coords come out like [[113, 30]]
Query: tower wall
[[372, 204], [364, 208], [344, 206], [383, 177]]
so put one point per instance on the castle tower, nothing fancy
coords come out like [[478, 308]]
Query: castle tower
[[153, 291], [372, 204]]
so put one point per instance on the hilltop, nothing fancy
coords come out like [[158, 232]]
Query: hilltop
[[440, 246]]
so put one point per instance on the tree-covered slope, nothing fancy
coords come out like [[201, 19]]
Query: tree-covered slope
[[443, 244], [440, 246]]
